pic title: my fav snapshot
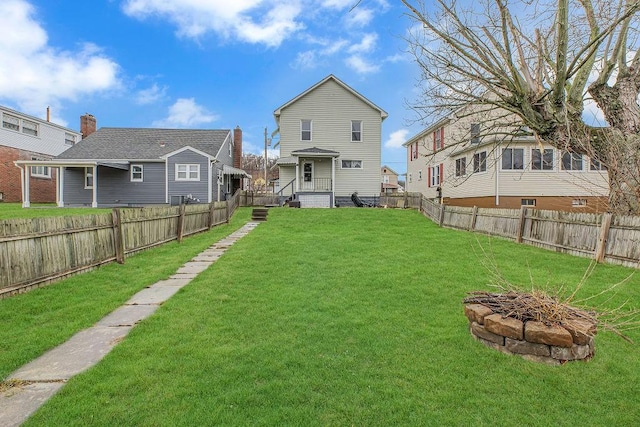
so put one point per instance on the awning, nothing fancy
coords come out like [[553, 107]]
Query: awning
[[230, 170], [287, 161]]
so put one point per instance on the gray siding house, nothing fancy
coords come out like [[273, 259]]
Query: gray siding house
[[136, 166], [330, 145]]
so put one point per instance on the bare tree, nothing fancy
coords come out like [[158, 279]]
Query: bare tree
[[541, 61]]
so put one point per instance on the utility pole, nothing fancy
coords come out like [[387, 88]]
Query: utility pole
[[267, 142]]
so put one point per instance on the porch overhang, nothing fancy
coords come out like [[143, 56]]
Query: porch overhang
[[315, 152], [231, 171]]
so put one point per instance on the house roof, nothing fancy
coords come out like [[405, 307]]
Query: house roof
[[316, 152], [278, 110], [144, 143], [389, 169], [39, 120]]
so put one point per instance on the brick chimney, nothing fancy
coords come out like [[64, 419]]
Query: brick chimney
[[87, 125], [237, 147]]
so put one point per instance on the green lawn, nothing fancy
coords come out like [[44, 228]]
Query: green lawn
[[15, 210], [349, 317]]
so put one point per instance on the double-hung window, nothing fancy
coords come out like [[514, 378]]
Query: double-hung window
[[438, 139], [137, 173], [475, 133], [596, 165], [10, 122], [88, 178], [480, 162], [512, 158], [571, 161], [436, 175], [356, 130], [542, 160], [69, 138], [305, 130], [187, 172], [461, 166], [29, 127]]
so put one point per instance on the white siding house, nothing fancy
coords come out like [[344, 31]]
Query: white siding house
[[465, 160], [24, 137], [330, 145]]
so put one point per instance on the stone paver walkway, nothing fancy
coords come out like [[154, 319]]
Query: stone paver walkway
[[37, 381]]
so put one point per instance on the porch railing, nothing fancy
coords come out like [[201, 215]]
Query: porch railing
[[316, 185]]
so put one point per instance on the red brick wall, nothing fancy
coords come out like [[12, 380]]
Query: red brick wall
[[237, 148], [43, 190]]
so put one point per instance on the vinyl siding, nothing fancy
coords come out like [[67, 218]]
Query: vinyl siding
[[197, 189], [115, 186], [331, 108], [50, 139]]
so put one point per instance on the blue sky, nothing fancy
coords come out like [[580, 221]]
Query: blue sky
[[203, 63]]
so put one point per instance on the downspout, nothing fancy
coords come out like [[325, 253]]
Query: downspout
[[497, 167], [333, 180], [60, 186], [94, 203]]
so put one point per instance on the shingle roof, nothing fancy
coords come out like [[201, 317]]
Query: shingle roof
[[315, 150], [143, 144]]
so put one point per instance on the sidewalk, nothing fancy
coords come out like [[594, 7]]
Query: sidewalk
[[40, 379]]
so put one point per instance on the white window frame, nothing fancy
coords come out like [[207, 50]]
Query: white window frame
[[385, 179], [69, 138], [88, 178], [511, 158], [351, 164], [542, 162], [574, 158], [482, 166], [435, 176], [33, 129], [527, 202], [187, 169], [303, 130], [474, 133], [8, 122], [140, 172], [358, 132], [459, 170], [40, 171], [579, 203], [596, 165]]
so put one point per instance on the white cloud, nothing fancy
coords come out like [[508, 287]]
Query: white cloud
[[305, 60], [367, 44], [267, 22], [397, 138], [361, 65], [360, 16], [150, 95], [34, 74], [186, 113]]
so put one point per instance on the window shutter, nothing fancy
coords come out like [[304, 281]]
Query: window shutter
[[434, 141], [442, 137], [428, 177], [441, 173]]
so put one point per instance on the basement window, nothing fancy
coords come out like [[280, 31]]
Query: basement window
[[528, 202], [579, 203]]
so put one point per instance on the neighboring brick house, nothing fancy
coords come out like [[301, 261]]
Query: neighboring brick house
[[389, 180], [24, 137]]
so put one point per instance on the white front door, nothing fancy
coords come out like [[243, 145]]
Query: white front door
[[307, 176]]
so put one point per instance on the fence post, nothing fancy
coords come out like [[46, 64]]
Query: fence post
[[420, 207], [441, 219], [604, 235], [118, 237], [523, 218], [474, 215], [211, 213], [181, 222], [229, 210]]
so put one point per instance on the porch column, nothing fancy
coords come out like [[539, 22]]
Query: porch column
[[297, 174], [24, 177], [94, 202], [333, 176], [60, 187]]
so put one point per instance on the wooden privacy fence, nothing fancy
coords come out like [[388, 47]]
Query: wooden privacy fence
[[40, 250], [603, 237]]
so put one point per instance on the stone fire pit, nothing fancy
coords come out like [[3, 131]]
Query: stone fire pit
[[533, 340]]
